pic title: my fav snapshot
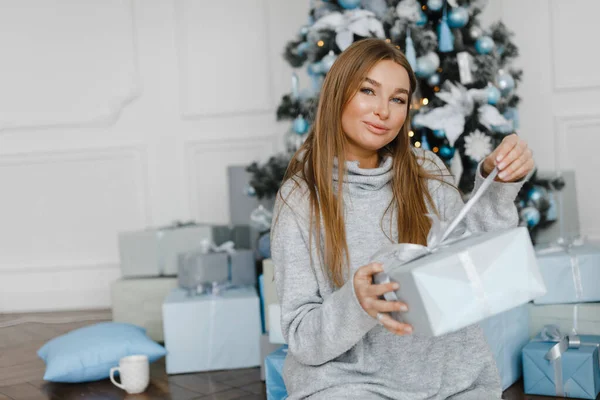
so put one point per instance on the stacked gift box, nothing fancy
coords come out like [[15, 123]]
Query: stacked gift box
[[193, 286], [522, 287], [562, 357]]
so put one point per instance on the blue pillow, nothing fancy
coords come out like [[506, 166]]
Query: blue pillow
[[88, 354]]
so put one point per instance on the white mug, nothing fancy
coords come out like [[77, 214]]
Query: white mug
[[134, 372]]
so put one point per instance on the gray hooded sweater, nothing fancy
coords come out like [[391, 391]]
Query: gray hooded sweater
[[338, 351]]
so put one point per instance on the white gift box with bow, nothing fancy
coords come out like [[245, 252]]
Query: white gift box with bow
[[451, 284]]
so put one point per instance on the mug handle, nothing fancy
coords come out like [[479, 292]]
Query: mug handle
[[112, 377]]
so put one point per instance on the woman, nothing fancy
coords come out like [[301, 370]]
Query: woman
[[358, 173]]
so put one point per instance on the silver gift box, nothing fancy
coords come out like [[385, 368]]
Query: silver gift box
[[154, 252], [465, 282]]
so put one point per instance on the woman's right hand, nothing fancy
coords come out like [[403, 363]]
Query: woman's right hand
[[368, 294]]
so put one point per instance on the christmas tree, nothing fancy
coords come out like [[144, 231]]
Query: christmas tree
[[466, 100]]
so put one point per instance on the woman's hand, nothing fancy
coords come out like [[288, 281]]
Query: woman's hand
[[368, 296], [513, 158]]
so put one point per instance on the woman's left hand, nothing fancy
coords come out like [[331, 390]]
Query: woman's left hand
[[513, 158]]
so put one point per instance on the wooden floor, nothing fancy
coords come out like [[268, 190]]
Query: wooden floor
[[21, 371]]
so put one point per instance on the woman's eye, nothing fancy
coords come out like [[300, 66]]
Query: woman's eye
[[367, 91], [399, 100]]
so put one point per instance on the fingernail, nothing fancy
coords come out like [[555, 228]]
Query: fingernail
[[396, 286], [501, 166], [502, 175], [408, 329], [403, 307], [499, 158]]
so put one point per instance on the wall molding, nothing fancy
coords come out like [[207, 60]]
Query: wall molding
[[195, 148], [181, 43], [562, 124], [137, 153], [106, 115], [562, 86]]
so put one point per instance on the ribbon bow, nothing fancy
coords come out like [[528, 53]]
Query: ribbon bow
[[551, 333], [438, 237], [207, 246], [438, 234]]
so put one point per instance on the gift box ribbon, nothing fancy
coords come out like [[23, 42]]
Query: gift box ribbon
[[567, 247], [439, 237], [551, 333]]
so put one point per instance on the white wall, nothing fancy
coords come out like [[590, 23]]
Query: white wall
[[560, 112], [120, 114]]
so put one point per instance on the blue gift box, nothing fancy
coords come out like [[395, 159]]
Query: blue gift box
[[579, 367], [274, 374], [506, 334], [570, 277]]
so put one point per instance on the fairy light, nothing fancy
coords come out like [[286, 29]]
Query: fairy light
[[388, 40], [424, 7], [435, 149], [417, 144], [320, 43], [411, 134], [440, 69], [425, 101], [436, 89], [398, 47]]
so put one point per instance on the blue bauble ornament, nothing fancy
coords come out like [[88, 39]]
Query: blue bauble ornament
[[505, 82], [314, 69], [422, 19], [349, 4], [250, 191], [304, 30], [302, 47], [458, 17], [300, 125], [434, 80], [512, 114], [484, 45], [439, 133], [552, 212], [531, 216], [538, 197], [327, 62], [493, 95], [435, 5], [446, 152], [264, 246], [426, 66]]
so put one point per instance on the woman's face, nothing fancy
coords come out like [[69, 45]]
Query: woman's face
[[375, 114]]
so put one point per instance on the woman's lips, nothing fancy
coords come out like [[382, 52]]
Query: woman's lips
[[376, 128]]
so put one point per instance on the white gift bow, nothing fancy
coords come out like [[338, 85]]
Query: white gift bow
[[437, 238]]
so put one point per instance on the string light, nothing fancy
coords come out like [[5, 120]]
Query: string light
[[439, 69], [320, 43], [411, 134], [435, 149], [417, 144], [398, 47], [436, 89], [425, 101], [388, 40], [424, 7]]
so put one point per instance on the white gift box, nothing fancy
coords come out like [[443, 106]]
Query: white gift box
[[212, 332], [584, 317], [506, 334], [139, 302], [465, 282], [269, 289], [154, 252]]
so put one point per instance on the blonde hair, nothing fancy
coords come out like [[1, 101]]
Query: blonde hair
[[314, 161]]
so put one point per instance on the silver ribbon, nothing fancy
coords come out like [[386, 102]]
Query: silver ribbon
[[567, 247], [438, 237], [551, 333]]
